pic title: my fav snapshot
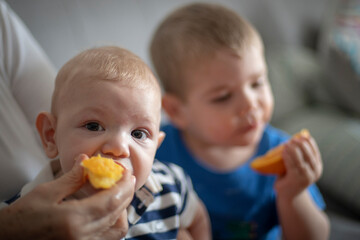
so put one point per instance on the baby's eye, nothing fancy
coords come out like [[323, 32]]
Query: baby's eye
[[139, 134], [93, 126]]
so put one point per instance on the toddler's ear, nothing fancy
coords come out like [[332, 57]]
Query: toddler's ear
[[173, 107], [45, 124]]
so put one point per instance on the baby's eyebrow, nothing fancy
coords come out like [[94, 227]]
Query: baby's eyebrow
[[90, 112], [147, 120]]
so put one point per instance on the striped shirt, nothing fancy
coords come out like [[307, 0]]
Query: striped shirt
[[164, 204]]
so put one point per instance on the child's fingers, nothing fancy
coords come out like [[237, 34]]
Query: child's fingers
[[307, 152], [316, 150], [293, 158], [312, 154], [305, 159]]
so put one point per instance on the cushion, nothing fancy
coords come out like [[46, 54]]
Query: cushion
[[295, 76], [340, 51]]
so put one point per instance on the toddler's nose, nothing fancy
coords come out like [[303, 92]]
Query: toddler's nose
[[117, 146], [246, 103]]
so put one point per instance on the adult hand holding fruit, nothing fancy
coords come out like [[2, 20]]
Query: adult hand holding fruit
[[42, 213]]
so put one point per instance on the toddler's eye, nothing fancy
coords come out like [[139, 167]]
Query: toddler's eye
[[259, 82], [222, 98], [93, 126], [139, 134]]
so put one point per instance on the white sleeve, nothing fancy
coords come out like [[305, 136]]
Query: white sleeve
[[26, 85], [27, 70]]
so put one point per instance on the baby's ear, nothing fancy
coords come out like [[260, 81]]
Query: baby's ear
[[161, 138], [45, 124], [173, 107]]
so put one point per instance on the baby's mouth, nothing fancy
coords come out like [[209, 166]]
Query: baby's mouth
[[118, 163], [126, 163]]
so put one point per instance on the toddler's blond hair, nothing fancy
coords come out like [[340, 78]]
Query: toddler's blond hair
[[192, 34]]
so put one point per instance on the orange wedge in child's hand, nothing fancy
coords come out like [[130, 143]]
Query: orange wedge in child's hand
[[102, 172], [272, 161]]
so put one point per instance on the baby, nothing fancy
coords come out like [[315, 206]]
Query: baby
[[107, 101]]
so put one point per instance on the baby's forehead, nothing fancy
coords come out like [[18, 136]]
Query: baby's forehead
[[104, 64], [98, 81], [105, 94]]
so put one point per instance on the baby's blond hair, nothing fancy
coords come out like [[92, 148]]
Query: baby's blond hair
[[104, 63], [194, 33]]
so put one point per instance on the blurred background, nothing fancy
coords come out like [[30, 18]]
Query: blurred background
[[64, 27], [313, 55]]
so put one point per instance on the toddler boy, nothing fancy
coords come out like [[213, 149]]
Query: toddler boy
[[211, 64]]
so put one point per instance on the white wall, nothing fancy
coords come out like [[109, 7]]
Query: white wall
[[65, 27]]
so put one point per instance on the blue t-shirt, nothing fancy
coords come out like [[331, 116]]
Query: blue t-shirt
[[241, 203]]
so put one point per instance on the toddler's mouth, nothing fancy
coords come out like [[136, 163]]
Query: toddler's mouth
[[245, 121], [251, 120]]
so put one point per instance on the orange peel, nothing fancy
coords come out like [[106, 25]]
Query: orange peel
[[102, 172], [272, 161]]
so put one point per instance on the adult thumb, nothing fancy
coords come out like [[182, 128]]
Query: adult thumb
[[68, 183]]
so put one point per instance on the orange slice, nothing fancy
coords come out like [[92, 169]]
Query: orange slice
[[102, 172], [272, 161]]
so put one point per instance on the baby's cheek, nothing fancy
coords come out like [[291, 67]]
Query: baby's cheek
[[142, 172], [128, 165]]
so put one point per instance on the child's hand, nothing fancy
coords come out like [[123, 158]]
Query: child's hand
[[303, 166]]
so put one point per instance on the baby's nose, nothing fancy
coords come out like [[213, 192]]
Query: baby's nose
[[117, 146]]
